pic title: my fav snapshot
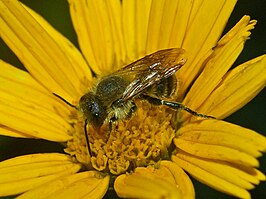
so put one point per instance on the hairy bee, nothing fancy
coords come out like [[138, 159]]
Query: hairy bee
[[149, 78]]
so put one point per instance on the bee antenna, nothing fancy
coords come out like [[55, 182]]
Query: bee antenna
[[68, 103], [87, 137]]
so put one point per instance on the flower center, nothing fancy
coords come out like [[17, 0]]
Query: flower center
[[141, 140]]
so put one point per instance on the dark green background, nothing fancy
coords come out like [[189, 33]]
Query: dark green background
[[252, 116]]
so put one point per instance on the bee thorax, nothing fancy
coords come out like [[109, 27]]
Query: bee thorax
[[121, 111]]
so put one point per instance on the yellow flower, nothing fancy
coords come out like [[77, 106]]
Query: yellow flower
[[147, 155]]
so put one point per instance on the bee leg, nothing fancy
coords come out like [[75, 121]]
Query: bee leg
[[152, 100], [176, 106], [111, 121], [132, 110]]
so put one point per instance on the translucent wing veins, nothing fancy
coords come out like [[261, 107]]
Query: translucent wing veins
[[151, 69]]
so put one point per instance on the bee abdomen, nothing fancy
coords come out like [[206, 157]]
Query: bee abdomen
[[163, 89]]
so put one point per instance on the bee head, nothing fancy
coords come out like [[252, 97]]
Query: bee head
[[92, 109]]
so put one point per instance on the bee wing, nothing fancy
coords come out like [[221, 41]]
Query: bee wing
[[151, 69]]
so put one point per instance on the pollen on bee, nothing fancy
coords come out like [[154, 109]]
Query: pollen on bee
[[142, 140]]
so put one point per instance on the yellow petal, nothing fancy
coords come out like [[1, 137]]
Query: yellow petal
[[210, 179], [32, 120], [166, 23], [224, 170], [21, 172], [253, 172], [90, 184], [78, 67], [34, 158], [216, 152], [129, 21], [99, 29], [28, 108], [181, 179], [153, 33], [6, 131], [141, 26], [180, 22], [20, 84], [220, 133], [219, 62], [237, 88], [114, 14], [24, 173], [47, 55], [147, 183], [207, 20]]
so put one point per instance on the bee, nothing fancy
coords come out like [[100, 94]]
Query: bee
[[150, 78]]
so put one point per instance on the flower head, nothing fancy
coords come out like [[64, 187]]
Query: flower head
[[147, 153]]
